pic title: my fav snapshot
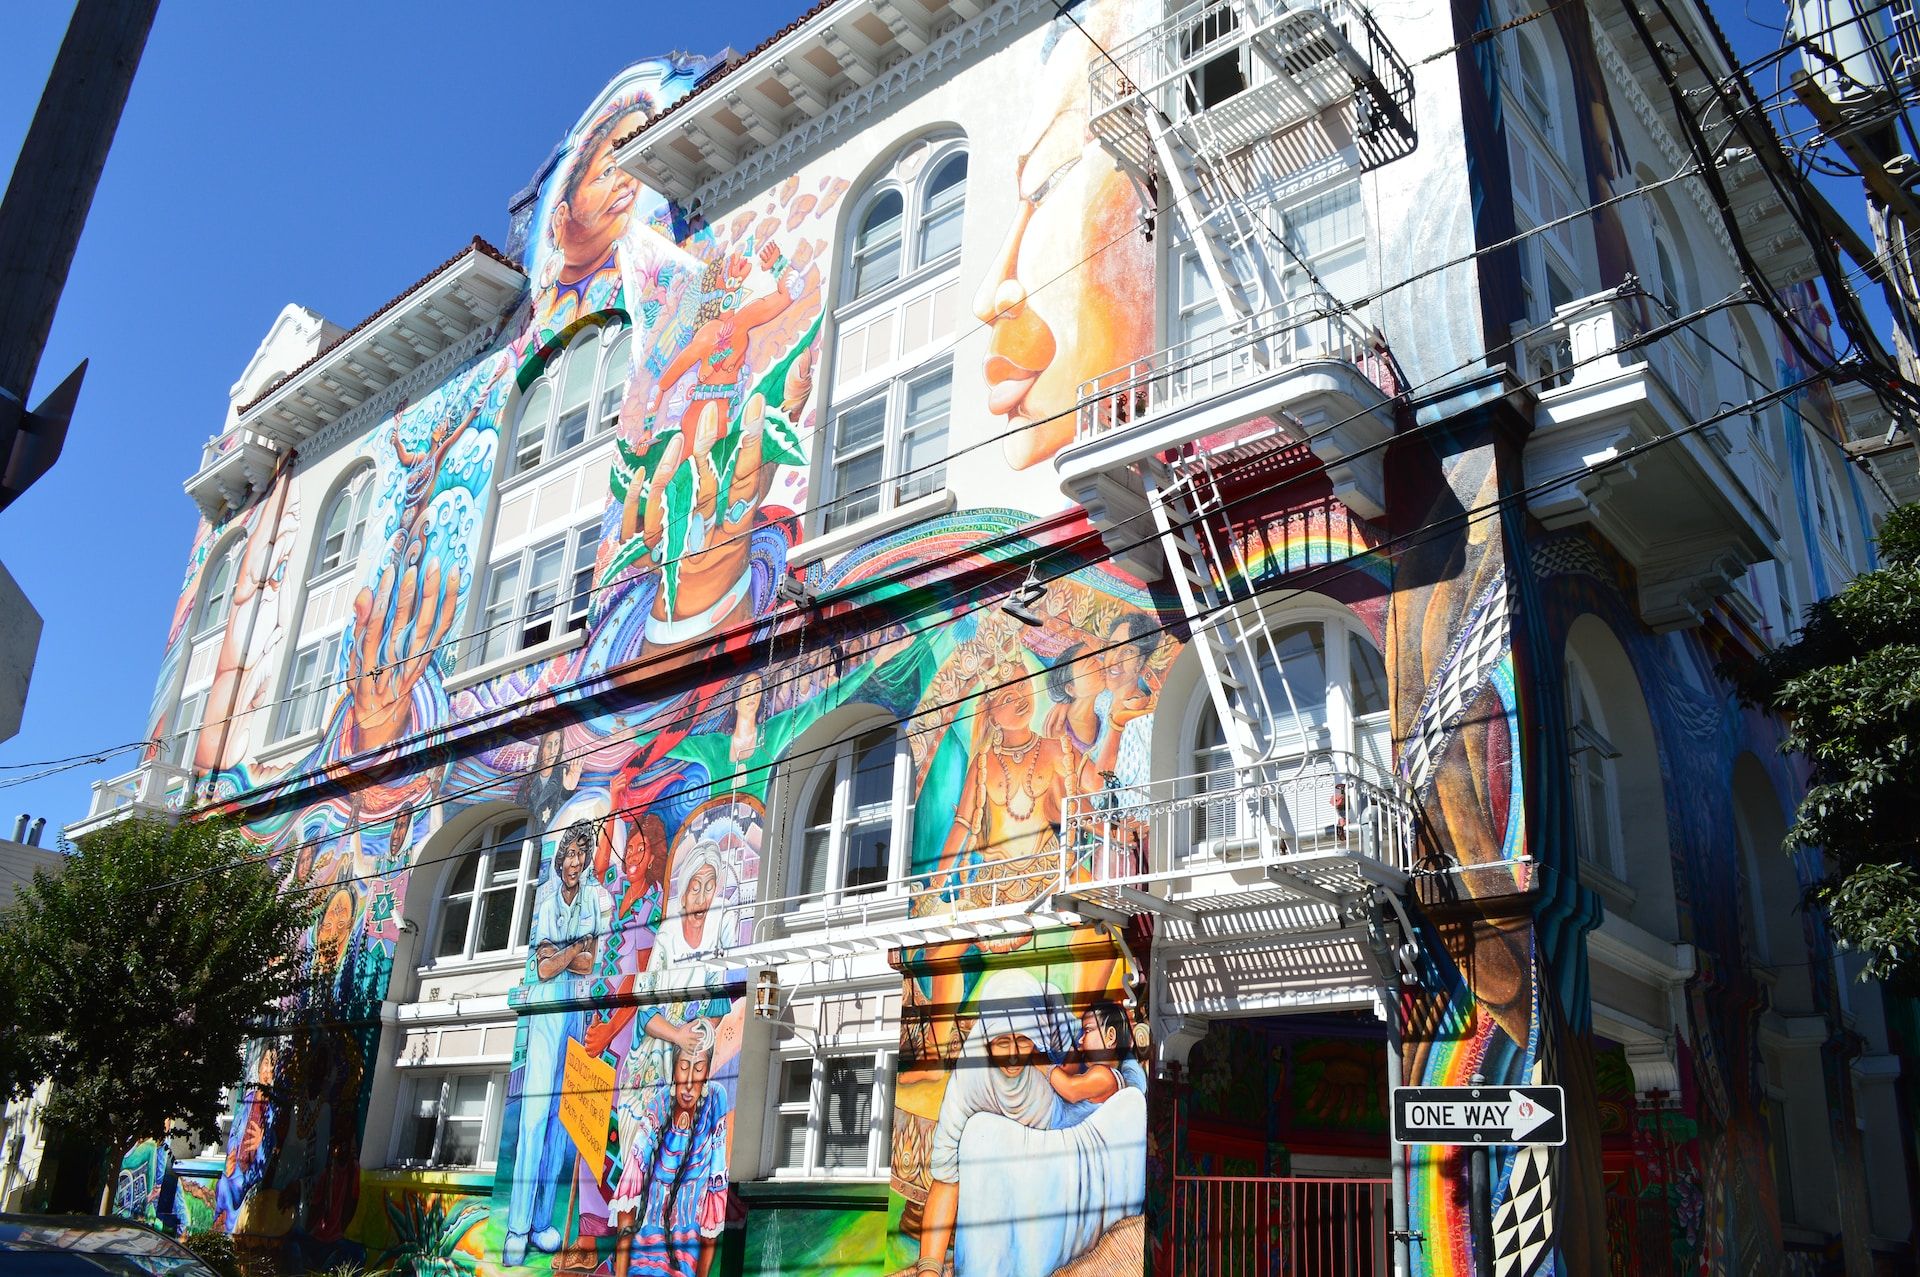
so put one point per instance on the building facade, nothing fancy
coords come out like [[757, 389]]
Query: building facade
[[995, 615]]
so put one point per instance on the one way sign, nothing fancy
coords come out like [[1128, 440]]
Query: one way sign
[[1479, 1115]]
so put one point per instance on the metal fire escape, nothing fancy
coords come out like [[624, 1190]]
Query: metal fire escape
[[1198, 110]]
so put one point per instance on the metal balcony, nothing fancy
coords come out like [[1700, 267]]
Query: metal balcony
[[155, 790], [1214, 856], [1303, 373], [1226, 74], [232, 467], [1612, 427]]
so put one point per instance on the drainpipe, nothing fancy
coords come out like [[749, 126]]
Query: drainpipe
[[1387, 963]]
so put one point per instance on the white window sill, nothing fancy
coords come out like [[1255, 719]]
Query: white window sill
[[476, 1009], [517, 660], [828, 544], [289, 747], [447, 968], [1615, 891], [830, 1177]]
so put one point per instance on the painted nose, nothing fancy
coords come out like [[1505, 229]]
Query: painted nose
[[1005, 301]]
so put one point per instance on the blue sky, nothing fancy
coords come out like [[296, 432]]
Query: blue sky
[[325, 154]]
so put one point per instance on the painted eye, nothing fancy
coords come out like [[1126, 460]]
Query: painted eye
[[1053, 180]]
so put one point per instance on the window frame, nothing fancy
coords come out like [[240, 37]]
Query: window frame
[[568, 612], [354, 491], [889, 492], [913, 192], [834, 765], [607, 334], [417, 1080], [228, 560], [483, 843], [812, 1111], [1590, 767], [296, 700], [1342, 732]]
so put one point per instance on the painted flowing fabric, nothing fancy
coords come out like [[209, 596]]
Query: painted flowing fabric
[[678, 1180], [1090, 1177]]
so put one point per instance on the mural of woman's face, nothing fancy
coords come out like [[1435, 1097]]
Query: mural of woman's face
[[1072, 202], [1010, 1052], [690, 1071], [698, 895], [1011, 707], [594, 213]]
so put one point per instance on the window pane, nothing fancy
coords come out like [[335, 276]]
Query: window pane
[[856, 490], [923, 443], [496, 623], [613, 381], [534, 409], [422, 1117], [1367, 676], [796, 1081], [213, 606], [813, 862], [1295, 685], [790, 1142], [496, 920], [460, 1143], [848, 1114], [876, 249], [300, 691], [543, 591], [333, 535], [940, 215], [860, 428], [467, 1098], [580, 578], [453, 928], [186, 725]]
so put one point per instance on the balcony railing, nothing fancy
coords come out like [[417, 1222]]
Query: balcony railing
[[1587, 337], [1242, 71], [153, 789], [1323, 802], [1243, 352], [1321, 807], [232, 466]]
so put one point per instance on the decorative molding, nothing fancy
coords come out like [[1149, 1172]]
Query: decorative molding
[[424, 376], [860, 106], [1614, 65], [1654, 1066]]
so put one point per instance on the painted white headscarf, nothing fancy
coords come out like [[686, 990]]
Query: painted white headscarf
[[1012, 1002], [671, 941]]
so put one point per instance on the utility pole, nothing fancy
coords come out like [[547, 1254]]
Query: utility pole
[[42, 216], [1854, 89]]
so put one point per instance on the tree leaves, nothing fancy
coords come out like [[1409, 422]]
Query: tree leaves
[[1849, 685], [136, 974]]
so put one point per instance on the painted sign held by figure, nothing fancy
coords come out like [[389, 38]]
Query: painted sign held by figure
[[1479, 1115]]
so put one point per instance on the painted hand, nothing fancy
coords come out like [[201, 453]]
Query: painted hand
[[398, 626]]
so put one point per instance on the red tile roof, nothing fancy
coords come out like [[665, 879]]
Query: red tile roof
[[478, 245], [726, 70]]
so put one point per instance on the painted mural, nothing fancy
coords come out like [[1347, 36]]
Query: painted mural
[[1022, 1084]]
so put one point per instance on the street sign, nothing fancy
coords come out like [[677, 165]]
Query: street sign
[[1479, 1115]]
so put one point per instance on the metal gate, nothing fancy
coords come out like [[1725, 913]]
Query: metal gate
[[1244, 1226]]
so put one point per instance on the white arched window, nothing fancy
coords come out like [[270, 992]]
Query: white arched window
[[486, 905], [575, 398], [216, 597], [850, 828], [1590, 757], [886, 439], [1322, 691], [312, 683]]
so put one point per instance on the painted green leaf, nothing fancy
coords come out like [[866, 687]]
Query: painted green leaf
[[781, 444], [679, 510]]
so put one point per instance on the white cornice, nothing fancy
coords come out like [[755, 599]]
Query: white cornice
[[1620, 76], [857, 106], [420, 380]]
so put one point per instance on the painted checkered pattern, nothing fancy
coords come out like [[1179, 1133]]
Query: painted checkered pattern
[[1482, 643], [1523, 1226]]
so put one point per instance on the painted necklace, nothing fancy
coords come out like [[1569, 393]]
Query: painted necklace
[[1018, 799]]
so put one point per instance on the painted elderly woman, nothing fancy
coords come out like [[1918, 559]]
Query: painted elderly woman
[[1027, 1178]]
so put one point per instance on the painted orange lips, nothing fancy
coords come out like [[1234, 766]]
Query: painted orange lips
[[1022, 347]]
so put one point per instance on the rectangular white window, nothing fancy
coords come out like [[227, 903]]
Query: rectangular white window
[[536, 595], [186, 727], [832, 1116], [451, 1120], [888, 449], [308, 684]]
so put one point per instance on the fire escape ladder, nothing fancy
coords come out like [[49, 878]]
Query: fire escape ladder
[[1218, 598], [1215, 219]]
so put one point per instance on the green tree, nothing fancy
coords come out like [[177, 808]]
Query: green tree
[[1849, 688], [135, 975]]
